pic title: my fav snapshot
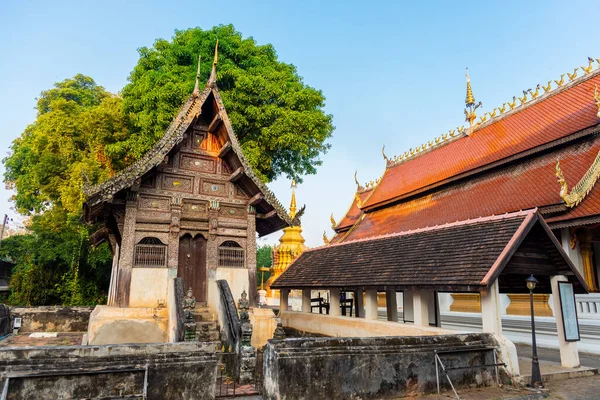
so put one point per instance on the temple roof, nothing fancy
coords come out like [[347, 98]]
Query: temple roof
[[209, 100], [517, 186], [561, 112], [463, 256]]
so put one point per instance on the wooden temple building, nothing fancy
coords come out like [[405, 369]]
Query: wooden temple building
[[191, 208], [435, 221]]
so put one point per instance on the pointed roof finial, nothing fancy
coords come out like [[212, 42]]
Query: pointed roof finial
[[470, 104], [213, 72], [196, 91], [359, 187], [293, 202]]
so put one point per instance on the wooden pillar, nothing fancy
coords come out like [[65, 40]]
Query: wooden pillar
[[358, 304], [306, 303], [569, 356], [114, 277], [421, 307], [491, 316], [371, 304], [127, 249], [283, 299], [334, 302], [391, 303]]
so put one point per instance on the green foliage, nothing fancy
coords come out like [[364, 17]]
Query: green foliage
[[278, 119], [264, 258], [55, 264]]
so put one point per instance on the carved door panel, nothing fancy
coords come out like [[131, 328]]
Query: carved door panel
[[192, 265]]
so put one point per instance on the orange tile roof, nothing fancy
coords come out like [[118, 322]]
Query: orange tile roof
[[570, 109], [354, 212], [525, 185]]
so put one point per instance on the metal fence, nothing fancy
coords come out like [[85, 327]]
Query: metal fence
[[150, 255]]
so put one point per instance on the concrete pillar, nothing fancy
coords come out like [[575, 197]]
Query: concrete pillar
[[306, 293], [283, 299], [421, 307], [358, 304], [334, 302], [371, 304], [392, 305], [569, 356], [491, 316], [407, 306]]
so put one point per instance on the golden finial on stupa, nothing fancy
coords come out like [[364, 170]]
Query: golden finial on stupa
[[293, 202], [470, 104]]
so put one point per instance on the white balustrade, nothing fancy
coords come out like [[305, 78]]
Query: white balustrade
[[588, 306]]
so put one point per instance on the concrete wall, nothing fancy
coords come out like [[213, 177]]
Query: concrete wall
[[372, 368], [116, 325], [163, 371], [52, 318], [263, 322], [148, 286], [353, 327]]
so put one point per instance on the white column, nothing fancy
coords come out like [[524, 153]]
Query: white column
[[392, 305], [358, 304], [284, 295], [421, 307], [371, 304], [569, 356], [491, 316], [407, 305], [306, 292], [334, 302]]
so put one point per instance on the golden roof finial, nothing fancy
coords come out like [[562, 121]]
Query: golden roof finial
[[325, 238], [359, 187], [196, 91], [387, 160], [332, 220], [213, 72], [470, 105], [293, 202]]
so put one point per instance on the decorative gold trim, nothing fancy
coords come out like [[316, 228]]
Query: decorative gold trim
[[325, 238], [332, 220], [582, 188], [597, 98]]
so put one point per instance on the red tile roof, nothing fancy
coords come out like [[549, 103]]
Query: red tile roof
[[525, 185], [570, 109], [354, 212]]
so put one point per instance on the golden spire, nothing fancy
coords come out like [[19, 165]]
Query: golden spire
[[470, 105], [293, 202], [213, 74], [196, 91]]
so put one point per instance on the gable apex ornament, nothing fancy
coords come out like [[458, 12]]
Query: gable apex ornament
[[470, 104], [196, 91], [213, 73]]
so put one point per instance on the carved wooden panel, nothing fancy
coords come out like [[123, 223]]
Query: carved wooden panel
[[240, 193], [213, 188], [198, 163], [198, 139], [232, 212], [195, 209], [153, 203], [177, 183], [225, 169]]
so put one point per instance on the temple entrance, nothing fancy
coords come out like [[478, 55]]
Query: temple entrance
[[192, 265]]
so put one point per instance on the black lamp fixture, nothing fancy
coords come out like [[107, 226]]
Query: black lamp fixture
[[536, 376]]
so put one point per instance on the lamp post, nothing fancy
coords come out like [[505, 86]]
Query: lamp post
[[536, 376]]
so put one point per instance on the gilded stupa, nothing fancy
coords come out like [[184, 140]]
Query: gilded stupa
[[291, 245]]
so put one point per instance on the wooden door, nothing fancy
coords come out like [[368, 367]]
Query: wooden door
[[192, 265]]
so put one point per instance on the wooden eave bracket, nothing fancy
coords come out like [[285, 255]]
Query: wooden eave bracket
[[268, 215], [237, 174], [225, 149], [256, 199], [215, 123]]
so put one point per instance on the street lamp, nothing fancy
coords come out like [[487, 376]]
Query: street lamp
[[536, 376]]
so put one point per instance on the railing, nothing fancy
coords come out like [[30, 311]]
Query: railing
[[588, 306], [232, 257], [150, 255]]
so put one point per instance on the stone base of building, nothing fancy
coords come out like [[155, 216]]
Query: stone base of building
[[118, 325]]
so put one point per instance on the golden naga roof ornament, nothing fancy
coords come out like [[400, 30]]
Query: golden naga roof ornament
[[573, 75], [358, 201], [582, 188], [590, 66], [561, 81], [325, 238], [213, 73], [332, 220], [196, 91], [387, 160], [471, 105], [359, 187]]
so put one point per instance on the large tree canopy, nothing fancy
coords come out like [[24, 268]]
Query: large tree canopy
[[278, 119]]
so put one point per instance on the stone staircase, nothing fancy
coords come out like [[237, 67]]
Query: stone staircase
[[207, 329]]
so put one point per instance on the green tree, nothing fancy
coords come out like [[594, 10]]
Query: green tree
[[279, 120], [264, 258]]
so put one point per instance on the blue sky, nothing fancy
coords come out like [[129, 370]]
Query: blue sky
[[392, 72]]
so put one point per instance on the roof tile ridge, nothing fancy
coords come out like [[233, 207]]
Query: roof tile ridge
[[538, 98], [431, 145], [248, 170], [468, 221]]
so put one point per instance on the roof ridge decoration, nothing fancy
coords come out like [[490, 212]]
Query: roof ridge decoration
[[582, 188], [360, 189], [519, 213], [507, 109]]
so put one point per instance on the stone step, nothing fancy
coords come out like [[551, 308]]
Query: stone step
[[203, 314]]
